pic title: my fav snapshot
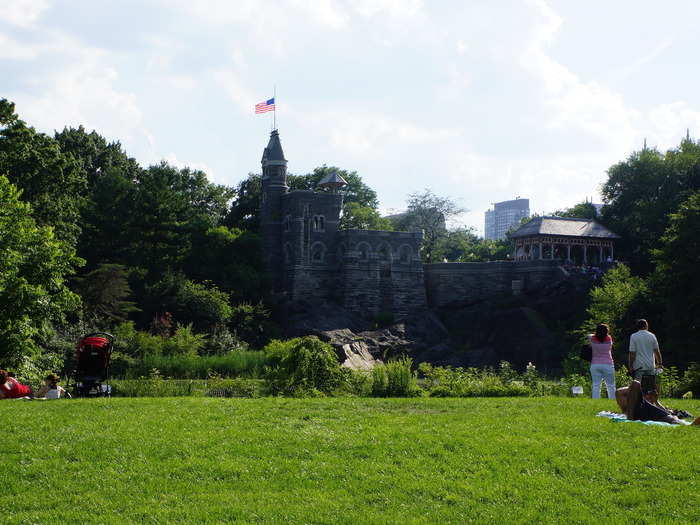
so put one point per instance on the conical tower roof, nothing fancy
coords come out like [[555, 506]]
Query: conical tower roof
[[273, 153], [333, 181]]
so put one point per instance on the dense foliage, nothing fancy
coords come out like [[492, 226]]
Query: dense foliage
[[170, 261], [653, 201], [34, 265]]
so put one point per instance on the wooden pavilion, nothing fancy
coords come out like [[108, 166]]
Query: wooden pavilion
[[579, 241]]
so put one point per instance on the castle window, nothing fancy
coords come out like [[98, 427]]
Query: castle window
[[307, 210], [287, 223], [287, 253], [405, 254], [384, 253], [364, 251], [318, 224], [318, 252]]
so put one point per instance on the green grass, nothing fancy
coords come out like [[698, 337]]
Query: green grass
[[342, 460], [238, 387]]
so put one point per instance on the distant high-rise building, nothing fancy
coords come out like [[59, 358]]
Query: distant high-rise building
[[489, 225], [504, 216]]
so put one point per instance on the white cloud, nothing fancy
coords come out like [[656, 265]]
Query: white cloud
[[370, 8], [172, 159], [669, 122], [244, 97], [363, 133], [12, 50], [22, 13]]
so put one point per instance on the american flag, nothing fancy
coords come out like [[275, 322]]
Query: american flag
[[264, 107]]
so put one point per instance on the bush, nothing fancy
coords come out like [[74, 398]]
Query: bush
[[240, 363], [156, 386], [302, 366], [221, 341], [472, 382], [252, 323], [690, 381], [183, 342], [395, 379]]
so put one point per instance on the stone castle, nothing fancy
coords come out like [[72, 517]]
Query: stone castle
[[367, 272]]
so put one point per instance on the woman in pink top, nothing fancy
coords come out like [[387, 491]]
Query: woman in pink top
[[602, 367]]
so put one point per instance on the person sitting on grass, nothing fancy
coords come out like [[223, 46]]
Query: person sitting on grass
[[10, 388], [640, 406], [51, 389]]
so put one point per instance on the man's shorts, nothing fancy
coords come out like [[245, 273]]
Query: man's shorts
[[649, 378]]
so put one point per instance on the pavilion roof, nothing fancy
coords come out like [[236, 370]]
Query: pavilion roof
[[564, 227]]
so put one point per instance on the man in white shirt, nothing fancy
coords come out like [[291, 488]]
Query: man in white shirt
[[644, 356]]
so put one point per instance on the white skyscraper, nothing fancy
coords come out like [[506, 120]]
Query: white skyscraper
[[504, 216]]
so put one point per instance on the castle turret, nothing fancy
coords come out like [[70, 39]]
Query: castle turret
[[274, 185]]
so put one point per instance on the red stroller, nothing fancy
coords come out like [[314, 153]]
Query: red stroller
[[92, 365]]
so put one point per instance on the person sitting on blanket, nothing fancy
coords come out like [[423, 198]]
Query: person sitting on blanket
[[10, 388], [639, 406], [51, 388]]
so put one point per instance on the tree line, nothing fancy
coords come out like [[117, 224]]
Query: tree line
[[90, 239]]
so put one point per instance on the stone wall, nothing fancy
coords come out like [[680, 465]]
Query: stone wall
[[381, 271], [456, 284]]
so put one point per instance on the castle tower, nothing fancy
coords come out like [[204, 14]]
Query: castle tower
[[274, 186]]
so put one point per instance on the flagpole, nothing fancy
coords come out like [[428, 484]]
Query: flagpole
[[274, 113]]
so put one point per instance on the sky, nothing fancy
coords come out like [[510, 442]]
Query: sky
[[478, 100]]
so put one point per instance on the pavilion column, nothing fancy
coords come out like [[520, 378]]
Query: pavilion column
[[540, 250], [568, 252], [611, 252], [585, 254], [551, 253], [600, 249]]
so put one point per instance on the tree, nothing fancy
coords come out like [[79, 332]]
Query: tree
[[231, 258], [110, 196], [96, 155], [582, 210], [104, 292], [52, 181], [245, 207], [359, 217], [169, 206], [676, 279], [641, 192], [360, 202], [617, 301], [33, 268], [428, 212], [201, 304]]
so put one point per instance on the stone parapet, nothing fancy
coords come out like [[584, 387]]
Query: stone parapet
[[461, 283]]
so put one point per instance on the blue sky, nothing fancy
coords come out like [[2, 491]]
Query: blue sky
[[479, 100]]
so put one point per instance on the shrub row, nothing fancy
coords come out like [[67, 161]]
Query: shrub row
[[239, 363]]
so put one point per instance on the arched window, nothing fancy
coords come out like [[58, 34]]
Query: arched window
[[318, 224], [318, 252], [363, 249], [384, 253], [287, 223]]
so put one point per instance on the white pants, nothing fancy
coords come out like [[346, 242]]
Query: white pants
[[600, 372]]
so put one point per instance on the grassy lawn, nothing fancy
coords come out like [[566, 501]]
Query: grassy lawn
[[205, 460]]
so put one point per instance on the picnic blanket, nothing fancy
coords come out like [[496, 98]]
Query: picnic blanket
[[621, 418]]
